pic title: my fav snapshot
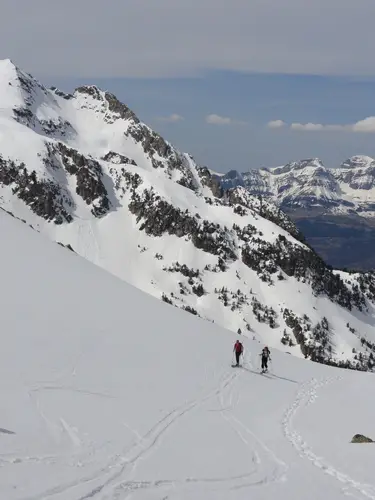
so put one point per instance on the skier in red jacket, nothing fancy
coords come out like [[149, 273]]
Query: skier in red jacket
[[238, 350]]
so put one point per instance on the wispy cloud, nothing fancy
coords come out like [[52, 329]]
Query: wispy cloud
[[173, 118], [218, 120], [276, 124], [316, 127], [214, 119], [367, 125]]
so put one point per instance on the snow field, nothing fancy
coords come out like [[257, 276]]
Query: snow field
[[111, 394]]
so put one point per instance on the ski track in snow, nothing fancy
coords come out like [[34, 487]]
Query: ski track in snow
[[260, 455], [129, 457], [306, 396], [115, 478], [257, 447], [148, 444]]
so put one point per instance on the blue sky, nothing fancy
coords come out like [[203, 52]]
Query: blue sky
[[253, 61], [255, 99]]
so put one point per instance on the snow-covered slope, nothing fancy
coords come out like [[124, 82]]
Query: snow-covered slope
[[107, 393], [308, 184], [85, 171]]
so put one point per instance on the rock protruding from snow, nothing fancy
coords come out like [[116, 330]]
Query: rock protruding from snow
[[88, 176], [360, 438], [118, 159], [45, 198]]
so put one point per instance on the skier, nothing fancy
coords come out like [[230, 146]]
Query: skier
[[238, 350], [266, 355]]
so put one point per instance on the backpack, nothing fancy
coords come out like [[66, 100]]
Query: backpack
[[239, 347]]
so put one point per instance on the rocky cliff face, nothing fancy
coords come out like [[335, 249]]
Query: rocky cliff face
[[83, 169]]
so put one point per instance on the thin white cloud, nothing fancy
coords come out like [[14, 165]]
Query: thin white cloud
[[316, 127], [362, 126], [214, 119], [240, 35], [276, 124], [218, 120], [173, 118]]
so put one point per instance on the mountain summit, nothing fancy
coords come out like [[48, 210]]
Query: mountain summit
[[84, 170]]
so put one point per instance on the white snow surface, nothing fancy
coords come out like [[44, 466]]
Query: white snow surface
[[107, 393]]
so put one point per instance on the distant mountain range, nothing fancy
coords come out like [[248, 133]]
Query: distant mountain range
[[334, 207], [309, 185]]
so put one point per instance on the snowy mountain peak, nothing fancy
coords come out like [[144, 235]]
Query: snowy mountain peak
[[15, 85], [231, 179], [311, 163], [91, 97], [358, 161], [83, 169], [8, 70]]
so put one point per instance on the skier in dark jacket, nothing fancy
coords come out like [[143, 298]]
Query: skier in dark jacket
[[238, 350], [266, 355]]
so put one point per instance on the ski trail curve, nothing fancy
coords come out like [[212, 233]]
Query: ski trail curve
[[126, 460], [306, 396], [253, 478], [261, 453], [151, 439]]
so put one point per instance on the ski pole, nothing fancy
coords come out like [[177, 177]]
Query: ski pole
[[271, 364]]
